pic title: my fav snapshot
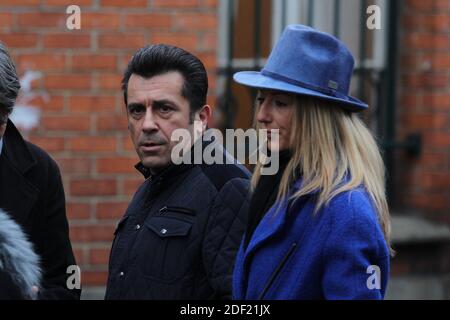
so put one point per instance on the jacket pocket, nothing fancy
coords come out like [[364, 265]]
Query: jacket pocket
[[175, 209], [166, 227], [167, 251], [277, 271]]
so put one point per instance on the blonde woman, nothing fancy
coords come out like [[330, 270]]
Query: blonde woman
[[319, 228]]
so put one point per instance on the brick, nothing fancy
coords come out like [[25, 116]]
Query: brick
[[65, 3], [427, 80], [400, 267], [436, 181], [93, 187], [74, 165], [210, 3], [188, 42], [78, 210], [66, 123], [48, 102], [127, 144], [196, 21], [49, 144], [429, 201], [437, 140], [437, 101], [68, 81], [19, 2], [176, 4], [425, 121], [100, 21], [427, 41], [441, 61], [130, 186], [146, 21], [67, 40], [42, 61], [209, 42], [112, 123], [433, 161], [42, 20], [116, 165], [128, 41], [110, 81], [111, 210], [426, 22], [93, 144], [79, 255], [210, 62], [419, 5], [94, 62], [99, 256], [126, 4], [89, 104], [98, 278], [442, 5], [6, 20], [410, 101], [90, 233], [20, 40]]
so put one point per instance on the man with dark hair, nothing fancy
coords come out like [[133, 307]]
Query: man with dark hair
[[180, 233], [31, 193]]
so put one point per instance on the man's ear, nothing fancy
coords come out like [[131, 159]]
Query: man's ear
[[204, 115]]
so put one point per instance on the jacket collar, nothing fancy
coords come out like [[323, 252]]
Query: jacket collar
[[16, 149], [174, 170], [275, 218]]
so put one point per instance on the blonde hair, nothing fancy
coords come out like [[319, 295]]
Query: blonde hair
[[327, 145]]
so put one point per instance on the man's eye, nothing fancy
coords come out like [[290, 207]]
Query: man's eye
[[165, 108], [136, 111]]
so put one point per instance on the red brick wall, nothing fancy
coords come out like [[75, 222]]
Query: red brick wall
[[424, 183], [83, 124]]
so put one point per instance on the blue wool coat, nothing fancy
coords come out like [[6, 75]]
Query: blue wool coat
[[338, 253]]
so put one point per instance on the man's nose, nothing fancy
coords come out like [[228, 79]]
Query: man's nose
[[149, 123]]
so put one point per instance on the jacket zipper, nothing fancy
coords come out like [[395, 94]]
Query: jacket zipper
[[277, 271], [176, 209]]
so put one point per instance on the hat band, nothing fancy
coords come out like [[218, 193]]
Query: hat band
[[327, 91]]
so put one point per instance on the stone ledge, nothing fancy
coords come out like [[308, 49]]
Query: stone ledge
[[408, 229]]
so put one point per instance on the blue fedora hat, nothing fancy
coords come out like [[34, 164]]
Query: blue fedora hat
[[307, 62]]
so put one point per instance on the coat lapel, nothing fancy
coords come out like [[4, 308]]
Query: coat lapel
[[17, 193], [272, 222]]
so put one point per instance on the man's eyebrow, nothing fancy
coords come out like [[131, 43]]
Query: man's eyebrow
[[135, 105], [164, 101]]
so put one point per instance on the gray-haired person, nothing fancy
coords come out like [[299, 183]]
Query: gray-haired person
[[32, 194]]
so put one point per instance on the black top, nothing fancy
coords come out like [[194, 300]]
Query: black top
[[31, 192], [179, 236], [264, 196]]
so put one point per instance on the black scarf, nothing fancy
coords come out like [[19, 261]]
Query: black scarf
[[264, 196]]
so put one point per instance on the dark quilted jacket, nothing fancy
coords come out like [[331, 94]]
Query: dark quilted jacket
[[180, 234]]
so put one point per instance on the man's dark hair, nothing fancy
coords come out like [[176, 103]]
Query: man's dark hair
[[159, 59], [9, 81]]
